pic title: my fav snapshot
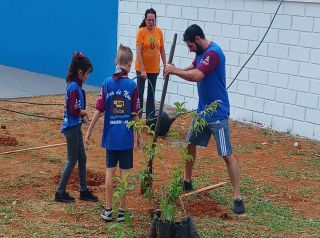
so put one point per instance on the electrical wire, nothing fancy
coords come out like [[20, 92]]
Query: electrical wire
[[274, 16], [31, 115], [32, 103]]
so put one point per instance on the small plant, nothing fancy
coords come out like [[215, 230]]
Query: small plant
[[180, 109], [122, 187], [120, 230], [151, 150], [199, 119], [174, 190]]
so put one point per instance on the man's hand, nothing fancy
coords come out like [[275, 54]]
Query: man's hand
[[169, 69]]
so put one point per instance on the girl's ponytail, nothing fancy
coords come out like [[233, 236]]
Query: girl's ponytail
[[78, 62]]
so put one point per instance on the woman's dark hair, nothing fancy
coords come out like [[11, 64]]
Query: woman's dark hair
[[148, 11], [191, 33], [79, 62]]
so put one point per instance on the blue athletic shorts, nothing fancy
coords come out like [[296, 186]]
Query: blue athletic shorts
[[219, 129], [124, 157]]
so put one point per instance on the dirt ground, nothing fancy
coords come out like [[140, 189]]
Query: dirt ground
[[291, 171]]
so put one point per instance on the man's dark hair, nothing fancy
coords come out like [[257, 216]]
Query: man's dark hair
[[191, 33]]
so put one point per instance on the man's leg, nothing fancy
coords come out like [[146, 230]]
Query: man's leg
[[234, 174], [222, 136], [194, 139]]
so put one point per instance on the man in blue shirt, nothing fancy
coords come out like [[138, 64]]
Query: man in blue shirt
[[208, 71]]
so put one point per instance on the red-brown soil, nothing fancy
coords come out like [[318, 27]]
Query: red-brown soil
[[270, 158]]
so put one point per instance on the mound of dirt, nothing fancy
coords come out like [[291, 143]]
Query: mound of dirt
[[94, 178], [8, 141], [206, 207]]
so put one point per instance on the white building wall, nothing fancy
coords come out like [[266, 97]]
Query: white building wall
[[279, 87]]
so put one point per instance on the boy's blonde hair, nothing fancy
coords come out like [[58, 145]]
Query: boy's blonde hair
[[124, 55]]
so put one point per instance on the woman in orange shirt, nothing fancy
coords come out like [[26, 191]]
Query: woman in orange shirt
[[150, 46]]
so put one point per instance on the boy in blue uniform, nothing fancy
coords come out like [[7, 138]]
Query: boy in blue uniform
[[119, 99], [208, 71]]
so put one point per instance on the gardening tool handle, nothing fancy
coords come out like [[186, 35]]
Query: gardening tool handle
[[163, 96], [203, 189], [164, 90]]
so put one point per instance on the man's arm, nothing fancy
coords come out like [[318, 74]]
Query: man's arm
[[195, 74], [190, 73]]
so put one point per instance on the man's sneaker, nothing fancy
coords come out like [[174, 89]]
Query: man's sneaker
[[187, 186], [238, 206], [106, 215], [122, 215], [63, 197], [88, 196]]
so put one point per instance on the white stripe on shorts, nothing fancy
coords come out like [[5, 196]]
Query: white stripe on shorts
[[222, 139]]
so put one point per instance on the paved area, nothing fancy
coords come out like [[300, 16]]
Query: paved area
[[17, 83]]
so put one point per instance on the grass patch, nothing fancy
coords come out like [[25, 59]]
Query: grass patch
[[5, 157], [53, 159], [243, 149], [6, 215], [313, 161], [281, 218], [294, 173]]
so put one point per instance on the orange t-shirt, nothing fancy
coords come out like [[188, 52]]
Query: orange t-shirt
[[151, 43]]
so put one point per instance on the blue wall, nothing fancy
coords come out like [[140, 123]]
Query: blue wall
[[40, 35]]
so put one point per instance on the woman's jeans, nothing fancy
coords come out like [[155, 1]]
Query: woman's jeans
[[150, 106], [76, 153]]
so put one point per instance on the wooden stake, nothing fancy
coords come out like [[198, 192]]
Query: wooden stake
[[33, 148], [203, 189]]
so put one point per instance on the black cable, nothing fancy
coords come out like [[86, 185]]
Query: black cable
[[274, 16], [32, 103], [32, 115], [37, 103]]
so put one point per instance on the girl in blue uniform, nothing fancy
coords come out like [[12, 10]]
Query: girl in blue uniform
[[74, 115]]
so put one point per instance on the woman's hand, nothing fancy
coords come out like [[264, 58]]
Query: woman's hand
[[143, 74]]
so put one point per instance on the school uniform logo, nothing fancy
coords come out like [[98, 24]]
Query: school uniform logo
[[118, 106], [206, 61]]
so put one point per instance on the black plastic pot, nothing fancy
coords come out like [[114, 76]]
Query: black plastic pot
[[165, 124], [166, 229]]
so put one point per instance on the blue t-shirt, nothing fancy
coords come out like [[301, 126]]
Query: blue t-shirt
[[118, 94], [70, 120], [213, 86]]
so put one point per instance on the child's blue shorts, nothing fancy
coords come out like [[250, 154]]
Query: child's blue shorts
[[124, 157]]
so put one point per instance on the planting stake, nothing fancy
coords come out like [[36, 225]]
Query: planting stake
[[203, 189], [33, 148], [148, 178]]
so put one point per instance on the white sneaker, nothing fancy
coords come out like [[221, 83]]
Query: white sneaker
[[106, 215]]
